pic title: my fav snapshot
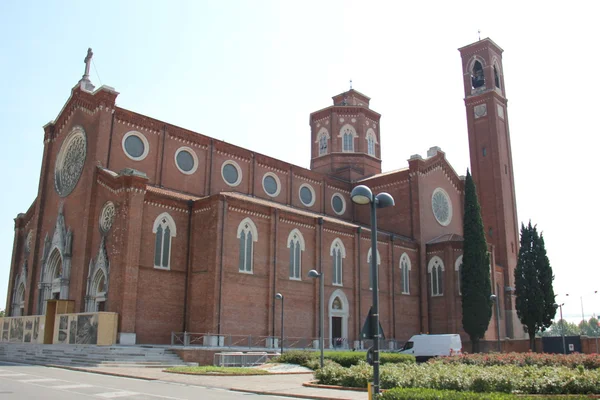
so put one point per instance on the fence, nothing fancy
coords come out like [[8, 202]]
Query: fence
[[239, 359], [269, 342]]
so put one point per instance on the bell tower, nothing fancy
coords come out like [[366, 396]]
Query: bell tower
[[345, 140], [491, 163]]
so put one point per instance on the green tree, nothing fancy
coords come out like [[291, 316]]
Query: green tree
[[1, 313], [559, 327], [475, 284], [533, 284]]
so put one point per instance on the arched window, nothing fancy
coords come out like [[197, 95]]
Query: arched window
[[19, 308], [405, 272], [337, 252], [369, 263], [477, 78], [458, 269], [496, 77], [347, 133], [247, 234], [165, 229], [371, 141], [436, 270], [295, 243], [99, 290], [322, 139]]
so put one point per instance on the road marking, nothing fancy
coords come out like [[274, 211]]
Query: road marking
[[112, 395], [76, 386], [9, 374], [37, 380]]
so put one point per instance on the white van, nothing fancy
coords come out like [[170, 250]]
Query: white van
[[424, 347]]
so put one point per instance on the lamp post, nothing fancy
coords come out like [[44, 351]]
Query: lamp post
[[562, 327], [279, 296], [362, 195], [315, 274], [495, 300]]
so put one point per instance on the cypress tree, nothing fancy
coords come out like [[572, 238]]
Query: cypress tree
[[476, 286], [533, 284]]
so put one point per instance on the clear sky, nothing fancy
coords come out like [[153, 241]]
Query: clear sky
[[251, 72]]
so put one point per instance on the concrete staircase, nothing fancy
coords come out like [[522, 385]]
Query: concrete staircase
[[91, 356]]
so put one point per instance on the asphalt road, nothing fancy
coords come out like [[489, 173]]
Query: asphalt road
[[24, 382]]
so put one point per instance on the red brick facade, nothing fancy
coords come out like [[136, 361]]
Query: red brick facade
[[203, 285]]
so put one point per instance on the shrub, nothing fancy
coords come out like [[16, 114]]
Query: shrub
[[311, 359], [588, 361], [298, 357], [432, 394]]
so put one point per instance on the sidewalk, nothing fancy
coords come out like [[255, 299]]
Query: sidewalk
[[275, 384]]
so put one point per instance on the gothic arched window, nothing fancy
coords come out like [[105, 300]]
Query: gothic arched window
[[165, 229], [405, 272], [369, 263], [247, 234], [496, 77], [348, 134], [436, 270], [458, 269], [477, 78], [322, 139], [296, 246], [371, 141], [337, 252]]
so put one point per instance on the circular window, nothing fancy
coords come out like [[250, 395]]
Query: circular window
[[271, 184], [186, 160], [442, 207], [107, 216], [307, 195], [70, 161], [232, 173], [135, 146], [338, 203]]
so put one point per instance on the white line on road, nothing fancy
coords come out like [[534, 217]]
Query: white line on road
[[76, 386], [37, 380], [9, 374], [112, 395]]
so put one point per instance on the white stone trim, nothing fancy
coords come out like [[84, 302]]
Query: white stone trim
[[170, 222], [312, 191], [343, 203], [274, 176], [445, 194], [239, 171], [194, 156], [405, 257], [142, 138]]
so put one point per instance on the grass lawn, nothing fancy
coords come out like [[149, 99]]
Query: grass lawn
[[211, 370]]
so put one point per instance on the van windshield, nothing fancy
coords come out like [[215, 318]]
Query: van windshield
[[408, 345]]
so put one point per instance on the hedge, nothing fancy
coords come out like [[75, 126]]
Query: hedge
[[588, 361], [460, 377], [432, 394], [311, 359]]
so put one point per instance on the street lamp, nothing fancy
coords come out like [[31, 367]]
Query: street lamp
[[315, 274], [495, 299], [362, 195], [279, 296], [562, 327]]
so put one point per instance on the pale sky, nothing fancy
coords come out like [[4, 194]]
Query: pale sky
[[251, 72]]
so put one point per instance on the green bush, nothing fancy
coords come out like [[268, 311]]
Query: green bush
[[432, 394], [460, 377], [311, 359], [588, 361]]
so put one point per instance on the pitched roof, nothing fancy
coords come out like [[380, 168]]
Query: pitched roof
[[171, 193]]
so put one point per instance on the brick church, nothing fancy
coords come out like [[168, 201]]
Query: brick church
[[176, 231]]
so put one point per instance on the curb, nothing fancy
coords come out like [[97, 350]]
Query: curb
[[219, 374], [101, 372], [318, 386], [287, 394]]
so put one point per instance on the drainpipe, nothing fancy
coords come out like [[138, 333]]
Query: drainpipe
[[274, 269], [188, 266], [358, 230], [393, 289]]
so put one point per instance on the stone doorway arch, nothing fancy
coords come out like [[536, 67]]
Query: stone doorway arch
[[338, 320]]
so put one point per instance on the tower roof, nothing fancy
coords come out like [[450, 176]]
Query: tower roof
[[483, 42], [351, 98]]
